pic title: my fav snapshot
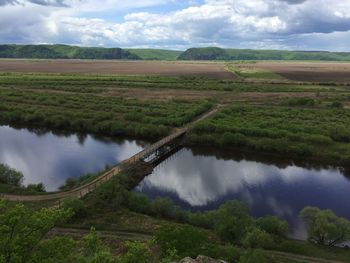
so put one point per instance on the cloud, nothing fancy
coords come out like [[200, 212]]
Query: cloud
[[228, 23], [38, 2]]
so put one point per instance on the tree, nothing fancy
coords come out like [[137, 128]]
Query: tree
[[21, 230], [75, 205], [273, 225], [324, 227], [10, 176], [257, 238], [231, 221]]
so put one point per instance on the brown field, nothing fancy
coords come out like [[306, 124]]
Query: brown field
[[309, 71], [211, 70]]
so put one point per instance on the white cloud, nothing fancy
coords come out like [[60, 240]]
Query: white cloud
[[228, 23]]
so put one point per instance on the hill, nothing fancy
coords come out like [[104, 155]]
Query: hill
[[155, 54], [215, 53], [64, 52]]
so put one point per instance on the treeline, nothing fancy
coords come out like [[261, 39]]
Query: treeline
[[207, 53], [322, 134], [105, 115], [215, 53], [11, 181], [63, 52]]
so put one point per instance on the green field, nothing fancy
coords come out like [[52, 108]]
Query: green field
[[321, 134]]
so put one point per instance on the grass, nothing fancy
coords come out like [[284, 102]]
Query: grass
[[321, 133], [84, 83], [97, 114]]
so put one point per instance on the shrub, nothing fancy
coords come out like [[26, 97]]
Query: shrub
[[257, 238], [75, 205], [231, 221], [10, 176], [137, 253], [162, 207], [273, 225], [38, 188], [186, 239]]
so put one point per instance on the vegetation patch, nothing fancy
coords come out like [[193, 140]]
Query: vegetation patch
[[321, 134], [96, 114]]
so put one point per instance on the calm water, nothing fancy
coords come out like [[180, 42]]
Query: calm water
[[51, 158], [203, 182]]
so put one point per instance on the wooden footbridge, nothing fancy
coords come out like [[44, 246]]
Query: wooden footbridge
[[153, 154]]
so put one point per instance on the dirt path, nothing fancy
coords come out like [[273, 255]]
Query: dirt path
[[300, 258], [119, 234]]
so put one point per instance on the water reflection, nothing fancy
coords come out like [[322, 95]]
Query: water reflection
[[201, 182], [50, 157]]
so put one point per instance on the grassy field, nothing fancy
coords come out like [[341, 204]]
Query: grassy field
[[315, 133], [106, 115]]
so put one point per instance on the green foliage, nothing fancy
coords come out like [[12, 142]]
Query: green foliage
[[155, 54], [36, 188], [300, 102], [21, 231], [231, 221], [257, 238], [137, 252], [63, 51], [94, 251], [337, 104], [97, 114], [215, 53], [10, 176], [293, 132], [55, 250], [273, 225], [255, 256], [185, 239], [324, 227], [75, 205]]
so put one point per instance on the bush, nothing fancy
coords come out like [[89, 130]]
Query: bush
[[38, 188], [257, 238], [10, 176], [75, 205], [185, 239], [231, 221], [273, 225], [137, 253], [162, 207]]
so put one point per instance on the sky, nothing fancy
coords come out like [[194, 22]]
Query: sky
[[175, 24]]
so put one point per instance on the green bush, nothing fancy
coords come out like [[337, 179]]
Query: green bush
[[186, 239], [10, 176], [75, 205], [273, 225], [257, 238]]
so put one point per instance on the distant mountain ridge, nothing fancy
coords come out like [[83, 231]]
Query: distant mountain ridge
[[63, 52], [215, 53], [207, 53]]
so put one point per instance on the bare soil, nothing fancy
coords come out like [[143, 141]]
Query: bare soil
[[309, 71], [207, 69]]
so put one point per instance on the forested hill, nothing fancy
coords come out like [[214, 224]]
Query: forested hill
[[63, 51], [209, 53], [215, 53]]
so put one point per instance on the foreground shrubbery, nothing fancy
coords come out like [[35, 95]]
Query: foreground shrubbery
[[292, 132]]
